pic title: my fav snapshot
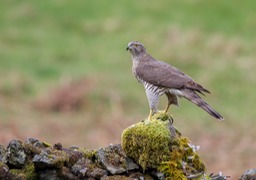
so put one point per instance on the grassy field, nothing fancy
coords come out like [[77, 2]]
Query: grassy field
[[45, 45]]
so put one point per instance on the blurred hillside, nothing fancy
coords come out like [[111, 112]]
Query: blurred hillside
[[76, 49]]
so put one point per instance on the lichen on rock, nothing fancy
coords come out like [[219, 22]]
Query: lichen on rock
[[115, 160], [16, 155], [27, 172], [153, 146], [50, 159]]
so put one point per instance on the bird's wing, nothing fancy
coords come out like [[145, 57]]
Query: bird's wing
[[162, 74]]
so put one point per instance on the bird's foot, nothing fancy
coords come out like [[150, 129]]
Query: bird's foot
[[171, 120], [162, 115], [149, 118], [165, 111]]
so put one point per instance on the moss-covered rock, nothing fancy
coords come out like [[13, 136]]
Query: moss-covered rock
[[115, 160], [87, 153], [153, 145], [184, 161], [50, 159], [148, 143], [16, 155], [27, 172]]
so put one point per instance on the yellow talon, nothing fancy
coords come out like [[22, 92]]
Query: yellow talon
[[149, 117], [162, 114]]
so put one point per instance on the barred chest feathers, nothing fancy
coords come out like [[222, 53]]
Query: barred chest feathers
[[135, 62]]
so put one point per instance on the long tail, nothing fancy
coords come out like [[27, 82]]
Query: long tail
[[196, 99]]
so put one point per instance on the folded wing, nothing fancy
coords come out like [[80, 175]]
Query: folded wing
[[162, 74]]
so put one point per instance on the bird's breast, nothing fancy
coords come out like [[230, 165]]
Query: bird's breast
[[134, 66]]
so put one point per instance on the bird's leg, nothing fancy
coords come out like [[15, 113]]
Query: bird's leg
[[165, 112], [150, 116], [167, 107], [171, 99]]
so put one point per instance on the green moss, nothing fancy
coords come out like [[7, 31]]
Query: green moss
[[28, 172], [147, 142], [19, 172], [46, 144], [183, 162], [58, 158], [2, 164], [90, 154], [151, 145]]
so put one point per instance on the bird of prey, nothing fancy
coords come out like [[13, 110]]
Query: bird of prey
[[160, 78]]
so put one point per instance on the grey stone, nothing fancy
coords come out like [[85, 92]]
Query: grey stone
[[140, 176], [113, 159], [35, 143], [73, 155], [67, 174], [49, 159], [85, 168], [16, 154], [158, 175], [249, 175], [48, 174]]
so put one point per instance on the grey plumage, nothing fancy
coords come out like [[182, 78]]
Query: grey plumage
[[161, 78]]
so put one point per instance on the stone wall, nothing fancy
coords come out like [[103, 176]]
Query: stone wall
[[149, 150]]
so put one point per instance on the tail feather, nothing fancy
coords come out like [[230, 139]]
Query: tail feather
[[196, 87], [196, 99], [210, 110]]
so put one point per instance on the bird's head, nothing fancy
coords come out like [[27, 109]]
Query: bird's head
[[136, 48]]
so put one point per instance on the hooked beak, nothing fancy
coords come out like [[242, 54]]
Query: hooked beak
[[128, 48]]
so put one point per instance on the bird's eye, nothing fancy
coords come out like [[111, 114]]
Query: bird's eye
[[136, 45]]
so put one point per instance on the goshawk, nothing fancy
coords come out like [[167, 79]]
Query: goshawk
[[160, 78]]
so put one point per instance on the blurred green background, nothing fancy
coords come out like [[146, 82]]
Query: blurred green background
[[53, 50]]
